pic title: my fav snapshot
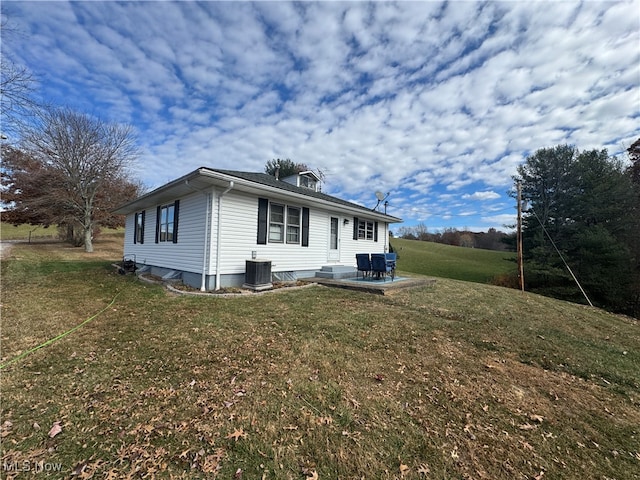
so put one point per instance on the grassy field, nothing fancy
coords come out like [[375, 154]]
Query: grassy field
[[25, 232], [468, 264], [458, 380]]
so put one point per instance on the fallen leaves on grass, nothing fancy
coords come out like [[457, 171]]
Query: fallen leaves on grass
[[5, 429], [237, 434], [527, 426], [55, 429], [86, 469]]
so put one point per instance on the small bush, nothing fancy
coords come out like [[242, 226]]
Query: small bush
[[508, 280]]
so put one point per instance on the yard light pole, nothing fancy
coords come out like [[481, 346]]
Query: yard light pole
[[519, 238]]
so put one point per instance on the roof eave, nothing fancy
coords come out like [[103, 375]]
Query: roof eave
[[155, 196]]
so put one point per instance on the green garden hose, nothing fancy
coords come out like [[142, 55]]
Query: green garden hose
[[62, 335]]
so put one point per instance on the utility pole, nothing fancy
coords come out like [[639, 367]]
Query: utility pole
[[519, 238]]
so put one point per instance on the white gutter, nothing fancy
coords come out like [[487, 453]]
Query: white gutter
[[218, 242]]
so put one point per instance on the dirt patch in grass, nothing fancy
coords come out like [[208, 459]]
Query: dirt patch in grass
[[453, 381]]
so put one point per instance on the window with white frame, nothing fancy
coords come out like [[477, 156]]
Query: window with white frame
[[284, 224], [276, 223], [307, 182], [281, 223], [293, 225], [365, 230]]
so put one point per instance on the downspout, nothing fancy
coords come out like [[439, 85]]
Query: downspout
[[207, 244], [206, 248], [218, 242]]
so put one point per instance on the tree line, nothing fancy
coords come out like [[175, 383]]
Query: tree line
[[490, 240], [582, 219]]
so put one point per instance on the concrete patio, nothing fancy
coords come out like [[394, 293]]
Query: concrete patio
[[373, 285]]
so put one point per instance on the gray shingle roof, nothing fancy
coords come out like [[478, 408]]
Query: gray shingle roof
[[270, 180]]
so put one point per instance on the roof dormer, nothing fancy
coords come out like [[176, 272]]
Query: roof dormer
[[307, 179]]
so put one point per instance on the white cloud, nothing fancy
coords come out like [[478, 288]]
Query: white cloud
[[503, 222], [487, 195], [416, 98]]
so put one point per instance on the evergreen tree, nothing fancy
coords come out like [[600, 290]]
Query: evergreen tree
[[585, 204]]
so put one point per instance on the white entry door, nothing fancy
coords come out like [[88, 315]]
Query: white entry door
[[334, 240]]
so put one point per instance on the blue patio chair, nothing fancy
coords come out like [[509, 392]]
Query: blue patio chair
[[381, 267], [364, 264], [391, 264]]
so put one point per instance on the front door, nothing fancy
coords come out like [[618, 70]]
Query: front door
[[334, 240]]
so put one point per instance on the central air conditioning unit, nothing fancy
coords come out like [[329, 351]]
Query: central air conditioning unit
[[258, 275]]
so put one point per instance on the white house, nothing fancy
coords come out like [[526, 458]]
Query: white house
[[206, 225]]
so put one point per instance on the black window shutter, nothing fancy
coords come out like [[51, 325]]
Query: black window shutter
[[355, 228], [176, 211], [158, 212], [142, 228], [305, 227], [263, 211], [375, 231]]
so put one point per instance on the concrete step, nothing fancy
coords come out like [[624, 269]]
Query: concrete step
[[337, 271]]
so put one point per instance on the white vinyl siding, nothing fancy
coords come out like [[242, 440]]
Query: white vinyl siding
[[187, 253], [238, 236], [349, 247]]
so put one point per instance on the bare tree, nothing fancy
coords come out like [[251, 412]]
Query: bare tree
[[17, 87], [87, 154]]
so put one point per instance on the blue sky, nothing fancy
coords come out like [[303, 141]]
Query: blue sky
[[435, 103]]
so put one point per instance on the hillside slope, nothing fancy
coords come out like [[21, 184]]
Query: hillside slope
[[446, 261], [456, 380]]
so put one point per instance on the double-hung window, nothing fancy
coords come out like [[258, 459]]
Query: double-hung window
[[293, 225], [276, 223], [167, 223], [365, 230], [167, 217], [279, 223], [284, 224]]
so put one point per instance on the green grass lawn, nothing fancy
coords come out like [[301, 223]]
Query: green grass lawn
[[457, 380], [468, 264]]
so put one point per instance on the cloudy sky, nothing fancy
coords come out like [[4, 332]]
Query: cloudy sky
[[435, 103]]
